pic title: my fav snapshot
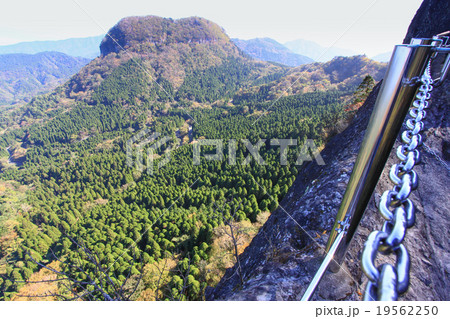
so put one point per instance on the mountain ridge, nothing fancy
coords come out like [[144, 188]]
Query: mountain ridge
[[267, 49], [23, 76], [168, 50], [162, 62], [87, 47], [341, 73]]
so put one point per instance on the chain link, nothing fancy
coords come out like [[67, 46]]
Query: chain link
[[387, 282]]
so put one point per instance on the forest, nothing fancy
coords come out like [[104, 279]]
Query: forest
[[161, 236]]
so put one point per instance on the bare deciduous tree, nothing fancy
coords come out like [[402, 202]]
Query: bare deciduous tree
[[233, 231]]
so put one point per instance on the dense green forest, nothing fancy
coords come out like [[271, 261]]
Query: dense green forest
[[83, 189], [70, 200]]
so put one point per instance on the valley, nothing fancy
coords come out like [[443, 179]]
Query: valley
[[171, 234]]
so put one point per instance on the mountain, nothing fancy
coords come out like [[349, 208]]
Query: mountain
[[267, 49], [383, 57], [80, 166], [315, 51], [78, 47], [282, 259], [23, 76], [174, 53], [341, 73]]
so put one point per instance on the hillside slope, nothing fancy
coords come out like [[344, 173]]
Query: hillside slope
[[185, 80], [172, 51], [341, 73], [155, 60], [174, 77], [282, 259]]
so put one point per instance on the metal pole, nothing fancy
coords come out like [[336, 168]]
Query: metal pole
[[396, 94], [323, 267]]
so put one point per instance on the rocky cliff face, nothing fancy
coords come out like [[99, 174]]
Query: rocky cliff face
[[167, 48], [284, 256], [431, 18], [133, 32]]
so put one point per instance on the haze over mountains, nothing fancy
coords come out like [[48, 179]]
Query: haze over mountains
[[23, 76], [77, 47], [22, 86], [31, 68], [267, 49], [292, 53], [383, 57], [316, 51]]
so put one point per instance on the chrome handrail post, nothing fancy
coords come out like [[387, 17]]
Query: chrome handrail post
[[398, 89]]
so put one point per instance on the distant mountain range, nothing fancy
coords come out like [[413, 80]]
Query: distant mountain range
[[267, 49], [292, 53], [297, 52], [79, 47], [316, 51], [383, 57], [23, 76]]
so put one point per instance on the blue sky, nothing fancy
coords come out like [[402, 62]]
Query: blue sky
[[364, 26]]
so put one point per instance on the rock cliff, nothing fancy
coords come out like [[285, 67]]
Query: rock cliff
[[134, 32], [283, 257]]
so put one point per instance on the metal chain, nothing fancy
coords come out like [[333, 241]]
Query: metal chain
[[387, 282]]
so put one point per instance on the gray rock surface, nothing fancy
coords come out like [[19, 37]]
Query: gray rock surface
[[282, 259]]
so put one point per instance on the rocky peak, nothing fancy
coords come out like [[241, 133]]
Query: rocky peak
[[132, 32], [431, 18]]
